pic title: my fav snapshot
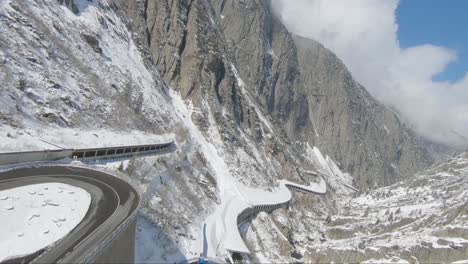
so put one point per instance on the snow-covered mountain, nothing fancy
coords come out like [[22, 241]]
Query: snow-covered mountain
[[246, 103]]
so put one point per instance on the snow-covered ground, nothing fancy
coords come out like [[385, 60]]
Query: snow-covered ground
[[35, 216], [384, 260]]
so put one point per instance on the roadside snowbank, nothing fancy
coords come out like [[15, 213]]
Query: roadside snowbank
[[33, 217]]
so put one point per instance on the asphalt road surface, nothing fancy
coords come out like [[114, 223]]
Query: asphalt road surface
[[113, 200]]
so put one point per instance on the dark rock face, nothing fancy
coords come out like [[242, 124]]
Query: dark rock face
[[201, 47], [93, 42], [70, 4]]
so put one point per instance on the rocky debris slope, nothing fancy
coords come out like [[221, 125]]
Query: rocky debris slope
[[75, 70], [421, 219]]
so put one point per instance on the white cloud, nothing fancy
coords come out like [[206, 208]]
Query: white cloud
[[363, 33]]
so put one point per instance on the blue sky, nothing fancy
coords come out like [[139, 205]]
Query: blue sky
[[438, 22]]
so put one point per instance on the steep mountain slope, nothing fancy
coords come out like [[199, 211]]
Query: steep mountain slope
[[73, 75], [234, 93], [68, 70], [77, 79], [305, 86], [304, 89]]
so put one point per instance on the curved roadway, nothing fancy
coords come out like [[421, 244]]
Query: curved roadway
[[114, 203], [220, 230]]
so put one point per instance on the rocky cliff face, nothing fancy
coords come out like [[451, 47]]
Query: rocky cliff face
[[365, 136], [201, 47], [186, 42]]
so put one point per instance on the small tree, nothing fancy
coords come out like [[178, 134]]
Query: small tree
[[390, 217], [366, 212], [138, 104], [22, 84], [121, 167]]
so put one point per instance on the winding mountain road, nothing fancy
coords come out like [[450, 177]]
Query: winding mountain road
[[114, 204], [221, 235]]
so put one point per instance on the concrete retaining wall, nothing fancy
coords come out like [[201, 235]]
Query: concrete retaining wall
[[118, 246], [31, 156], [252, 211], [121, 249]]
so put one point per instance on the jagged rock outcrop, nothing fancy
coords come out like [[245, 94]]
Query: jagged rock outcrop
[[188, 50], [304, 88]]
